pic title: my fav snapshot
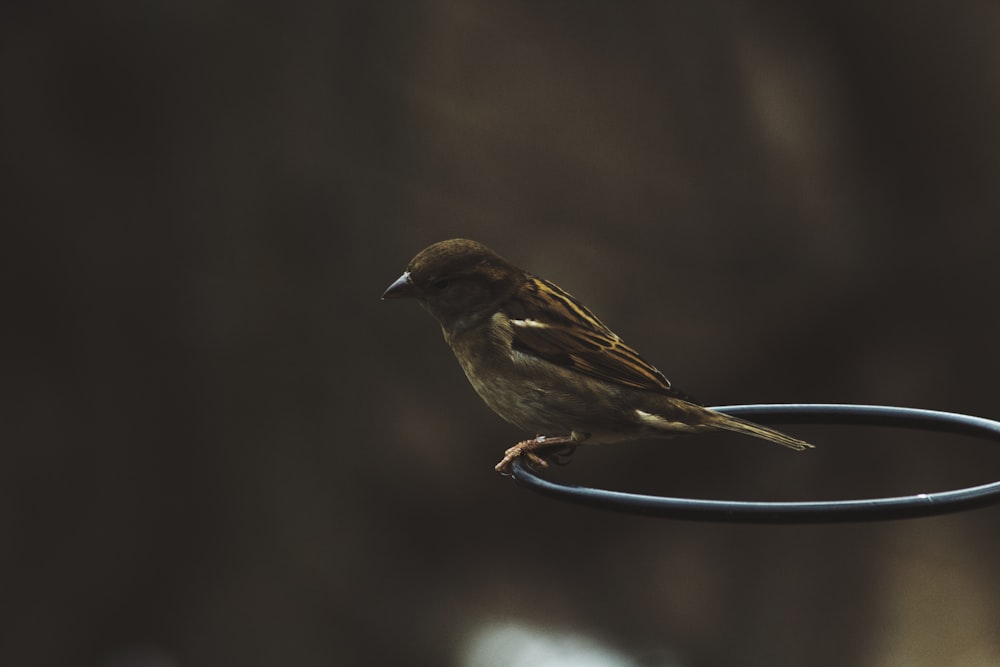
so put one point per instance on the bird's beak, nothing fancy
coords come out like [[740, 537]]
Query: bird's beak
[[401, 289]]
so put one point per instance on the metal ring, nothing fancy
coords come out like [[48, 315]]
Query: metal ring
[[868, 509]]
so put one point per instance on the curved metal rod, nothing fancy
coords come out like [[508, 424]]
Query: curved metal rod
[[868, 509]]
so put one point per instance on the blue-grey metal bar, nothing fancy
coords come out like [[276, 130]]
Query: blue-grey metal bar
[[868, 509]]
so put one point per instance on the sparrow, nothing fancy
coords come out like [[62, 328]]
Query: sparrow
[[544, 362]]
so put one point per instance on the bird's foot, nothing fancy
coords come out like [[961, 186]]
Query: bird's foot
[[562, 456], [528, 447]]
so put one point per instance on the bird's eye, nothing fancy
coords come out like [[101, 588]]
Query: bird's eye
[[439, 284]]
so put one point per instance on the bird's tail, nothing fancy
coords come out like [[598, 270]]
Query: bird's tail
[[726, 422]]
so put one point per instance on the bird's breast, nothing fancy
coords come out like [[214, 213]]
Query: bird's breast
[[534, 394]]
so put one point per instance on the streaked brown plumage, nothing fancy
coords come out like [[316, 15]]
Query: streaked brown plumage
[[544, 362]]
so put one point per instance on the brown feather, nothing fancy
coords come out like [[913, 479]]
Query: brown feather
[[567, 333]]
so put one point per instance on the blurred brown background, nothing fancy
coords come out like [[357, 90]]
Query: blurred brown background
[[220, 447]]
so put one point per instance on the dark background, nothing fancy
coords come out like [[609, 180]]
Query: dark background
[[220, 448]]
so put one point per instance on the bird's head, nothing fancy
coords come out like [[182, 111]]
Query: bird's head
[[460, 282]]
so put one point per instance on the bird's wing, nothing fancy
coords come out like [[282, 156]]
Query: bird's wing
[[549, 323]]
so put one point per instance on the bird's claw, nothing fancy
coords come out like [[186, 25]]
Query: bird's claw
[[527, 447]]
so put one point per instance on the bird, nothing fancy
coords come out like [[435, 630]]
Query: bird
[[545, 363]]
